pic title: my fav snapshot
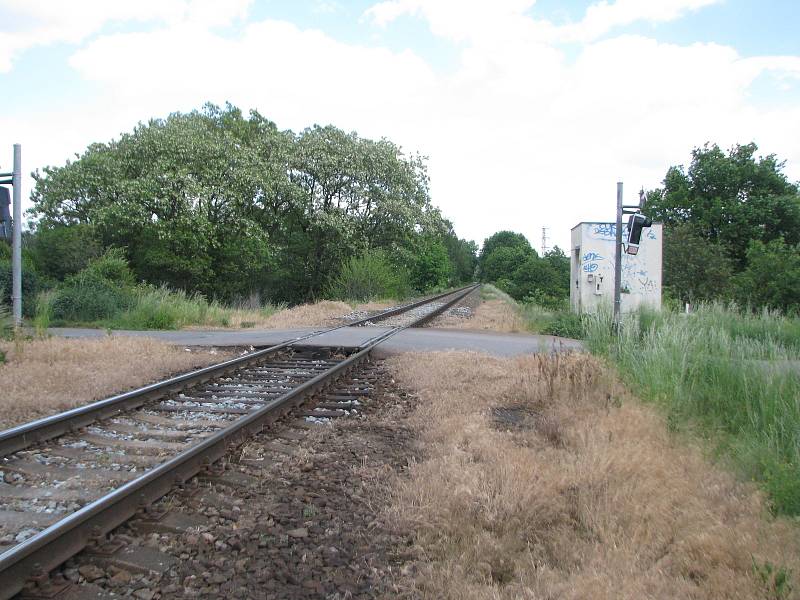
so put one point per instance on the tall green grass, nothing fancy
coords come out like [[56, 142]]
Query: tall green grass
[[732, 377], [163, 308]]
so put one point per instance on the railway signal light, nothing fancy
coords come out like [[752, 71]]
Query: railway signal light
[[636, 224]]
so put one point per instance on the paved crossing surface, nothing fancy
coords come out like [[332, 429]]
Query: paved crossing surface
[[422, 339]]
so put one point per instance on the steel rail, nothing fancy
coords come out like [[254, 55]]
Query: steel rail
[[22, 436], [52, 546]]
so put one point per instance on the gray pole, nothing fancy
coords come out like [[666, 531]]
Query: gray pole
[[16, 243], [618, 260]]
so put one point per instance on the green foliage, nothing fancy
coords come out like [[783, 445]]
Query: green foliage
[[508, 260], [100, 291], [775, 579], [162, 308], [44, 311], [501, 254], [772, 276], [369, 276], [543, 280], [714, 212], [30, 287], [565, 324], [224, 204], [87, 297], [112, 266], [6, 325], [59, 251], [695, 269], [463, 258], [428, 263], [503, 262], [728, 375]]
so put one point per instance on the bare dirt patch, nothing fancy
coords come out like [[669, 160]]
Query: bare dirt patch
[[542, 478], [41, 377]]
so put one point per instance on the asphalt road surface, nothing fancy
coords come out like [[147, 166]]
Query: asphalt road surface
[[409, 340]]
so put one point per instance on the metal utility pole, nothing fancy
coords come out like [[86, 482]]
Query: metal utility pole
[[618, 260], [16, 239], [544, 241]]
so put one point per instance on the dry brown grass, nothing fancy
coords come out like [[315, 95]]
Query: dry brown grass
[[494, 315], [41, 377], [324, 313], [542, 478]]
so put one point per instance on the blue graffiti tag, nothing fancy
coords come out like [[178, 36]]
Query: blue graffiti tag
[[590, 267], [590, 256], [605, 229], [650, 234]]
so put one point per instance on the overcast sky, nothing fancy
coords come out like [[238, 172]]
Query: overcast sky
[[529, 111]]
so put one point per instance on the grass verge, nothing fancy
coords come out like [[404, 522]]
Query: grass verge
[[732, 378], [542, 478], [44, 376]]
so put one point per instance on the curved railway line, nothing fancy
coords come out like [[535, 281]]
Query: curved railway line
[[68, 480]]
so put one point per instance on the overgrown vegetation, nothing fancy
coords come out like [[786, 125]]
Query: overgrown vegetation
[[731, 376], [731, 229], [225, 205], [369, 276], [104, 294]]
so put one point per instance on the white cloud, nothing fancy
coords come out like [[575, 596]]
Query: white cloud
[[602, 17], [475, 20], [518, 136], [45, 22]]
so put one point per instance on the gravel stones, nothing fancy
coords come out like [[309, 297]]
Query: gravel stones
[[299, 519]]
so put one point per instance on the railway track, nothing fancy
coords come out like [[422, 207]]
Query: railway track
[[70, 479]]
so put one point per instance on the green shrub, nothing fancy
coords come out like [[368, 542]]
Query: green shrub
[[369, 276], [63, 250], [30, 287], [88, 297], [113, 267], [565, 324]]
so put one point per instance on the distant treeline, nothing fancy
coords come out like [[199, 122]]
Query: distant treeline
[[230, 206]]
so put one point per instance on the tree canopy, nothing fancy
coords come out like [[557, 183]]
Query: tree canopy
[[714, 212], [509, 261], [228, 205]]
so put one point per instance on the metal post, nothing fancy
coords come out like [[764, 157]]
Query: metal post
[[618, 260], [16, 243]]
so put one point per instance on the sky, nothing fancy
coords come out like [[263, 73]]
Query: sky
[[529, 111]]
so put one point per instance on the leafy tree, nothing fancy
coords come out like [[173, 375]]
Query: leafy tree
[[772, 276], [224, 204], [695, 268], [62, 250], [426, 261], [542, 280], [502, 239], [730, 199], [504, 261], [463, 257]]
